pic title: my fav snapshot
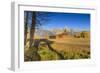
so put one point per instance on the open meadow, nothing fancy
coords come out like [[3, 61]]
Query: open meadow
[[63, 49]]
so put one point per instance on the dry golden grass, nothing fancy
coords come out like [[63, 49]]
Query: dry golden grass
[[73, 48], [69, 48]]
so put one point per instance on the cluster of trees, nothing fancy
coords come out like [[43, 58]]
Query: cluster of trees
[[83, 34], [33, 20], [29, 16]]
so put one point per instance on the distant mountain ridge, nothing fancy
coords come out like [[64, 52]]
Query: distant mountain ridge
[[43, 33]]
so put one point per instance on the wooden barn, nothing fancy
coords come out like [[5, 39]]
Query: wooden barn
[[60, 35]]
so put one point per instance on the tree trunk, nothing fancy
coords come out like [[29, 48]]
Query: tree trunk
[[26, 28], [32, 29]]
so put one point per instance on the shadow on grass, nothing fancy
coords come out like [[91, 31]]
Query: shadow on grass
[[32, 54]]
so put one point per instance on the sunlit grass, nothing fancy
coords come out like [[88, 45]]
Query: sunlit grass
[[46, 53], [75, 49]]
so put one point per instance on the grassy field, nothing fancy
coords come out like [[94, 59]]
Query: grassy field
[[73, 48], [70, 48]]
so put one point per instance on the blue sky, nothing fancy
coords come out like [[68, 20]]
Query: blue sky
[[74, 21]]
